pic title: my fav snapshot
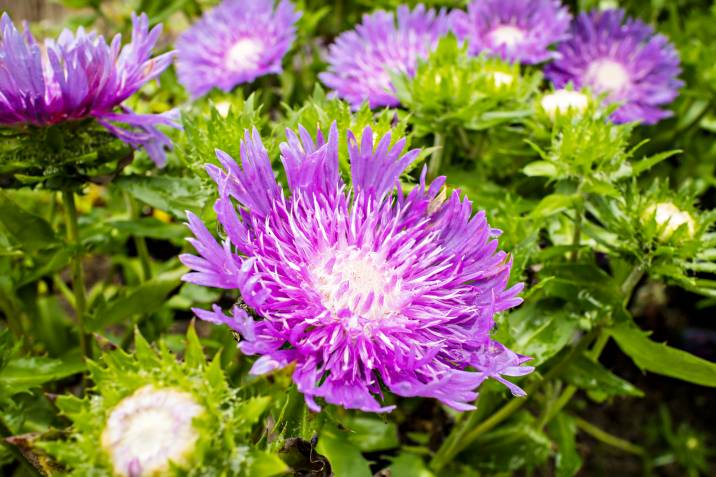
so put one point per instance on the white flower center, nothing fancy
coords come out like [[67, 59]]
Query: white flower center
[[506, 35], [356, 283], [150, 428], [244, 55], [669, 218], [562, 101], [500, 79], [607, 76]]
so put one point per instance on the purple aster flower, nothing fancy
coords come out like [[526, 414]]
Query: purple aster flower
[[516, 30], [362, 287], [625, 60], [236, 42], [361, 61], [79, 76]]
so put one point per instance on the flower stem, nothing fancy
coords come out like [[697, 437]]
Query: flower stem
[[78, 281], [466, 432], [140, 242], [577, 237], [609, 439], [437, 156]]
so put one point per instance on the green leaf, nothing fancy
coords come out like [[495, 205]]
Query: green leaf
[[150, 227], [175, 195], [540, 169], [649, 162], [554, 204], [662, 359], [540, 329], [563, 430], [372, 434], [140, 300], [25, 373], [409, 465], [513, 446], [29, 231], [264, 464], [592, 376], [345, 458]]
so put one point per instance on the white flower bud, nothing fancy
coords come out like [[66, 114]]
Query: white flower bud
[[149, 429], [500, 79], [669, 218], [223, 108], [563, 101]]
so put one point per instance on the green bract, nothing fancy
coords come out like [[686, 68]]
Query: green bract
[[132, 398], [452, 89]]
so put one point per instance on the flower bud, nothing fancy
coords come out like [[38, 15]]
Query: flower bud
[[669, 218], [149, 429], [563, 102]]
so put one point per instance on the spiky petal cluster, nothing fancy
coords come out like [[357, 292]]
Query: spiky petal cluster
[[362, 60], [79, 76], [236, 42], [624, 59], [362, 286], [515, 30]]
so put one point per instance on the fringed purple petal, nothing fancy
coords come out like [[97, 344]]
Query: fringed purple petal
[[234, 43], [363, 288], [624, 59]]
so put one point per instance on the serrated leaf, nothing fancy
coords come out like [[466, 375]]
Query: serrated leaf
[[662, 359]]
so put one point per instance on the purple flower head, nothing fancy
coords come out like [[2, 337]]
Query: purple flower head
[[79, 76], [515, 30], [361, 60], [625, 60], [364, 287], [236, 42]]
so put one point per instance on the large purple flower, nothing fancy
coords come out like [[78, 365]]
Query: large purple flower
[[625, 60], [362, 287], [516, 30], [361, 61], [80, 76], [236, 42]]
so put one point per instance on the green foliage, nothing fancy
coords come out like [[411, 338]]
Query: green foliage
[[61, 156], [452, 89]]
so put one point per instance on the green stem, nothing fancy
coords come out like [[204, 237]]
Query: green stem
[[78, 281], [437, 156], [577, 237], [466, 432], [609, 439], [140, 242], [631, 281]]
